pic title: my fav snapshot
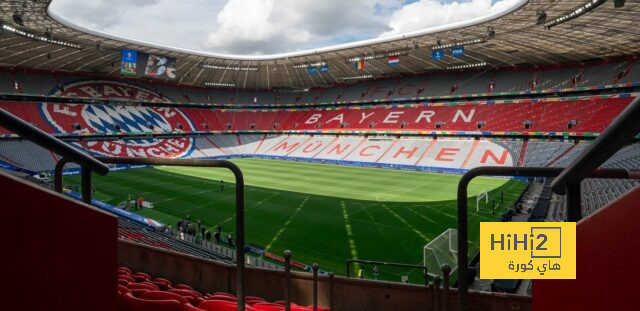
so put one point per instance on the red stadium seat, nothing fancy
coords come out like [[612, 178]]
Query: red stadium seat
[[131, 303], [162, 285], [192, 296], [141, 286], [221, 305], [140, 277], [123, 289], [167, 283], [150, 284], [189, 307], [218, 305], [265, 306], [183, 286], [127, 278], [222, 297], [125, 269], [253, 298], [162, 295], [138, 291], [123, 282]]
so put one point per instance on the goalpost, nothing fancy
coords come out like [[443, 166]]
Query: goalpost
[[482, 195], [442, 250]]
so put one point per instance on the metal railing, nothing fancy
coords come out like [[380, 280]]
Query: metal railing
[[90, 164], [390, 264], [87, 163], [463, 247], [621, 132], [239, 180]]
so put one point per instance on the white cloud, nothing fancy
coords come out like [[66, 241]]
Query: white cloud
[[265, 26], [268, 26], [428, 13], [177, 23]]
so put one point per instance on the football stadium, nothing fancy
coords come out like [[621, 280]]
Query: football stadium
[[294, 155]]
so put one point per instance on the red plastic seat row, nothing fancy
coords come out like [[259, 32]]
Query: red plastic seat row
[[140, 292]]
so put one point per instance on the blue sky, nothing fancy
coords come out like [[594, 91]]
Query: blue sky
[[266, 26]]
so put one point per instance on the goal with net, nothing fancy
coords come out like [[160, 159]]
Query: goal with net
[[442, 250]]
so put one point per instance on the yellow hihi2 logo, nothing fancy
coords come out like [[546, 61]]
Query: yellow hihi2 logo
[[528, 250]]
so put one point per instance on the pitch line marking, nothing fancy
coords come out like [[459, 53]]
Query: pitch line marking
[[184, 195], [397, 194], [247, 208], [347, 226], [295, 213], [421, 216], [406, 223]]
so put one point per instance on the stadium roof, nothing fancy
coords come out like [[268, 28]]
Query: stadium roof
[[603, 32]]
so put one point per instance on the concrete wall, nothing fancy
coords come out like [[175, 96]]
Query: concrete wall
[[58, 254], [339, 294], [607, 255]]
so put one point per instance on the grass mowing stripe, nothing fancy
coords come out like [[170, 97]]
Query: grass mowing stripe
[[334, 197], [284, 226], [347, 227]]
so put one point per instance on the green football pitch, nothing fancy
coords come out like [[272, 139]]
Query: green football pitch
[[323, 213]]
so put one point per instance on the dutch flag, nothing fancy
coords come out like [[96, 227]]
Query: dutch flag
[[394, 60]]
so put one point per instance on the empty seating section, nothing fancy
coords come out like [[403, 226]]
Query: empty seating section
[[406, 151], [601, 74], [408, 88], [381, 89], [312, 146], [513, 81], [417, 152], [631, 74], [540, 153], [513, 146], [175, 241], [569, 155], [554, 79], [141, 292], [355, 91], [583, 115], [442, 84], [475, 82], [26, 155], [330, 95], [455, 153], [36, 83]]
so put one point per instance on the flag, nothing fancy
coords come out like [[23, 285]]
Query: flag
[[394, 60], [324, 69], [437, 54], [359, 65], [312, 70], [457, 51]]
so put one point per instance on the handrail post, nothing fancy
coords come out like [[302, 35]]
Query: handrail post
[[58, 179], [331, 276], [463, 282], [240, 233], [287, 280], [315, 286], [239, 178], [86, 185], [432, 296], [426, 276], [446, 270], [574, 205], [436, 285], [348, 268]]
